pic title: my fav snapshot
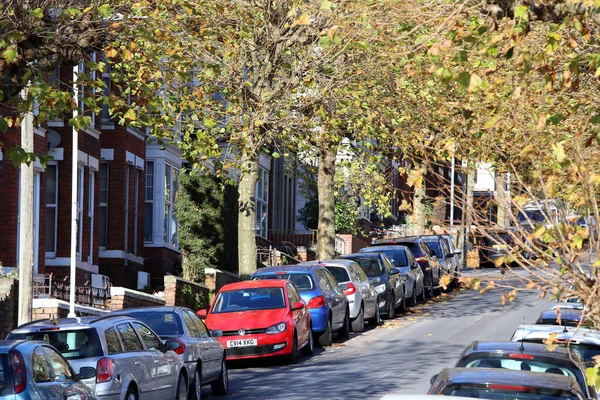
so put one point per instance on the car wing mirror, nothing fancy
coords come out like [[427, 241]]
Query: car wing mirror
[[202, 313], [415, 266], [86, 373], [394, 271], [216, 333], [171, 345], [433, 378], [298, 305]]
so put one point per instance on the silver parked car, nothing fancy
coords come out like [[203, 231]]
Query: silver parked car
[[131, 361], [203, 354], [362, 297], [36, 370]]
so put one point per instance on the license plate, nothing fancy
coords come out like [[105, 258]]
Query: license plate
[[242, 343]]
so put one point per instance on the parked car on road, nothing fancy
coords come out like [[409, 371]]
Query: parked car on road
[[130, 359], [495, 383], [203, 354], [324, 297], [584, 341], [261, 318], [36, 370], [563, 316], [425, 257], [412, 273], [495, 246], [445, 257], [526, 357], [589, 223], [393, 288], [362, 297]]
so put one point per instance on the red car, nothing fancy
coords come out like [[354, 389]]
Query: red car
[[263, 318]]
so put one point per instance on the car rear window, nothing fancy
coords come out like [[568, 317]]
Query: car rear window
[[340, 274], [398, 257], [303, 282], [371, 266], [436, 248], [249, 299], [507, 392], [164, 323], [6, 386], [72, 344]]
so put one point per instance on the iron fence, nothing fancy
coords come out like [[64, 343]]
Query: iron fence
[[44, 286]]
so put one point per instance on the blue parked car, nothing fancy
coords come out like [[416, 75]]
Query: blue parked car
[[325, 299]]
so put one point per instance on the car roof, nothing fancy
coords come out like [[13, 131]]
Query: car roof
[[566, 314], [60, 323], [296, 268], [260, 283], [125, 311], [515, 347], [367, 254], [502, 376], [574, 334], [338, 262], [382, 242], [379, 249]]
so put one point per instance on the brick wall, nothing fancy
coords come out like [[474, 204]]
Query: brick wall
[[126, 298], [180, 292], [215, 279], [355, 243], [9, 295], [54, 308]]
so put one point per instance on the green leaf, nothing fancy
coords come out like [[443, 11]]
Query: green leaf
[[326, 5], [3, 125], [38, 13], [521, 12], [558, 151], [491, 122], [464, 80], [104, 10], [443, 74], [10, 55]]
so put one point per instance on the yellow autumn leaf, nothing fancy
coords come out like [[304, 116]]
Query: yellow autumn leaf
[[303, 20]]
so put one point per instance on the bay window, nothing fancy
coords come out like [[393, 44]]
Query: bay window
[[51, 208], [149, 203], [103, 229]]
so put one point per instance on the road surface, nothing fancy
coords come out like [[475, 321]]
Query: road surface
[[399, 357]]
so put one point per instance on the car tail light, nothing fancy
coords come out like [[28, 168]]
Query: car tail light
[[181, 349], [105, 369], [421, 259], [18, 370], [521, 356], [316, 302], [350, 289], [512, 387]]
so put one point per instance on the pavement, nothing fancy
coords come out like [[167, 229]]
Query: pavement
[[402, 355]]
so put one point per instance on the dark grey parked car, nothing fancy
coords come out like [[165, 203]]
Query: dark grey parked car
[[36, 370], [203, 354]]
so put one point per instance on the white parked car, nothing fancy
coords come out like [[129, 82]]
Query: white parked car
[[362, 297]]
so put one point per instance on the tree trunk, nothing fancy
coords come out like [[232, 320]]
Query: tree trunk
[[247, 215], [502, 200], [420, 193], [325, 183]]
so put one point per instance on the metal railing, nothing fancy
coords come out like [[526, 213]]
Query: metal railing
[[44, 286]]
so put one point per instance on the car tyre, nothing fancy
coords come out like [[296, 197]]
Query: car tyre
[[358, 324], [376, 320], [391, 314], [429, 294], [197, 384], [402, 307], [182, 388], [292, 358], [412, 302], [326, 338], [309, 349], [221, 385], [344, 333], [131, 394]]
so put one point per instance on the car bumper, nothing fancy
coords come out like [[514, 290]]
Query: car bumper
[[279, 344], [354, 304], [320, 318]]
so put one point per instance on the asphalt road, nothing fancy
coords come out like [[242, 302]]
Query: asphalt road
[[399, 357]]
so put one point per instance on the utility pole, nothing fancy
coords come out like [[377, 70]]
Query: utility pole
[[26, 235]]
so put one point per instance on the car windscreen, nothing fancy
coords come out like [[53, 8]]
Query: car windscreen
[[249, 300], [339, 273], [436, 248], [398, 257], [303, 282], [534, 216], [6, 385], [507, 392], [370, 265], [164, 323], [72, 344]]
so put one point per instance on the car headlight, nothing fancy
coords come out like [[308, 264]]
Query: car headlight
[[375, 279], [277, 328], [404, 278], [380, 288]]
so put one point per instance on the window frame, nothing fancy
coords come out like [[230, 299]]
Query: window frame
[[80, 203], [52, 254], [91, 210], [149, 185], [104, 205], [261, 220]]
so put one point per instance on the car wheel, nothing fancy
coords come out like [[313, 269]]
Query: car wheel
[[429, 293], [376, 320], [392, 309], [402, 306], [182, 388], [220, 386], [196, 394], [292, 358], [358, 324], [131, 394], [412, 302], [326, 338], [309, 349], [422, 295], [344, 333]]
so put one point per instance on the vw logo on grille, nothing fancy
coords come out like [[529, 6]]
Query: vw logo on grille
[[242, 332]]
